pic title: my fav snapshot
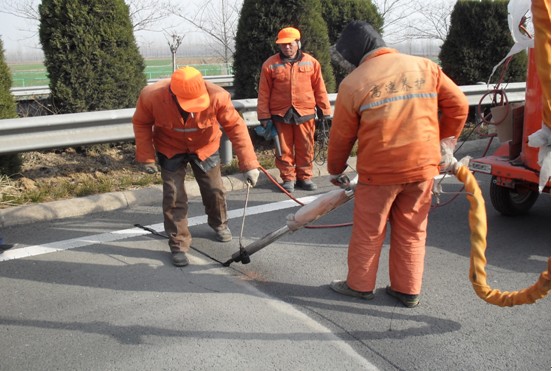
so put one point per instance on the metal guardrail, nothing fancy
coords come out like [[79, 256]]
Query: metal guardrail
[[40, 92], [75, 129]]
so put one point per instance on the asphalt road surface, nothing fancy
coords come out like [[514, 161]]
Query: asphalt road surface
[[95, 292]]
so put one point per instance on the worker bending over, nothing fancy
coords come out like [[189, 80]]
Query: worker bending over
[[178, 121]]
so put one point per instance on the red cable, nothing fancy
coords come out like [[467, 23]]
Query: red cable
[[321, 226]]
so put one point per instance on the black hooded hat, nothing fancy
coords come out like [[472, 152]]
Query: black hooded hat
[[357, 39]]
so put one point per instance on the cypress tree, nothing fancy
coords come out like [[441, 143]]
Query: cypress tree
[[9, 164], [338, 13], [91, 55], [258, 27], [7, 103], [478, 39]]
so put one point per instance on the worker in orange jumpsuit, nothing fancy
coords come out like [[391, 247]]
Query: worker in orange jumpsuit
[[399, 108], [178, 121], [291, 88]]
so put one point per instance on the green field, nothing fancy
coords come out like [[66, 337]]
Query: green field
[[34, 74]]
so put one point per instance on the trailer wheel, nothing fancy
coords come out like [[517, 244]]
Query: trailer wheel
[[512, 202]]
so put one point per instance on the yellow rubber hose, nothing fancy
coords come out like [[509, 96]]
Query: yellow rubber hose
[[478, 236]]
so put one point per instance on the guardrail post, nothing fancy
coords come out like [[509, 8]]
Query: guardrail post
[[225, 149]]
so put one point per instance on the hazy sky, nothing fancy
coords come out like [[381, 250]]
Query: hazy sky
[[15, 35], [20, 36]]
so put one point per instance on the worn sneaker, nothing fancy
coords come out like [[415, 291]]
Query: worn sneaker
[[180, 259], [288, 186], [306, 184], [342, 288], [408, 300], [224, 235]]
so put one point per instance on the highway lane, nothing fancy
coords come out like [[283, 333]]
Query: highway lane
[[452, 328]]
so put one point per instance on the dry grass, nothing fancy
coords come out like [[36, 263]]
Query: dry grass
[[78, 172], [55, 175]]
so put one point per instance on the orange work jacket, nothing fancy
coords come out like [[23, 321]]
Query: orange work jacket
[[159, 126], [398, 107], [285, 85]]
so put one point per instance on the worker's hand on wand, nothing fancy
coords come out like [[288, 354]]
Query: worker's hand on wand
[[448, 164], [340, 180], [251, 176], [448, 161], [150, 167]]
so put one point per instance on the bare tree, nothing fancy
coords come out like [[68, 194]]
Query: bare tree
[[27, 9], [432, 22], [415, 19], [143, 13], [219, 20], [174, 44], [395, 14]]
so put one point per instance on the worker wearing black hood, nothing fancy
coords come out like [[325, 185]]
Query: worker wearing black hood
[[357, 39], [399, 108]]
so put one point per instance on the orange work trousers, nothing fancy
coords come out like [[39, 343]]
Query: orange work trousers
[[297, 144], [406, 207]]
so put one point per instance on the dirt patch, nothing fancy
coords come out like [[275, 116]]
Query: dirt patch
[[66, 163]]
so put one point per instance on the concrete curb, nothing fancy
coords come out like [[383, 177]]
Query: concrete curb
[[119, 200], [151, 195]]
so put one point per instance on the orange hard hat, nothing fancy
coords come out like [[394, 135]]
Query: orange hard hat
[[189, 88], [288, 35]]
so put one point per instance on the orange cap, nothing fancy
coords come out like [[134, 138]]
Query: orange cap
[[188, 86], [288, 35]]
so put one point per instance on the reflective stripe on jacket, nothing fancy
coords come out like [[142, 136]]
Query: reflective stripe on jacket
[[398, 107], [299, 84], [158, 125]]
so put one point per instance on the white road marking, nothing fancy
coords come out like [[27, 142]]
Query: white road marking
[[73, 243]]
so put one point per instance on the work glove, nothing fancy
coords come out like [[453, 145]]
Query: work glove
[[340, 180], [150, 167], [266, 130], [541, 139], [448, 160], [251, 176], [270, 131]]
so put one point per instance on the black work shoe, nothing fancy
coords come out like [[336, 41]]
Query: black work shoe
[[342, 288], [5, 247], [224, 235], [180, 259], [306, 184], [408, 300], [288, 186]]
